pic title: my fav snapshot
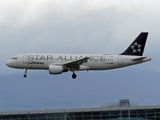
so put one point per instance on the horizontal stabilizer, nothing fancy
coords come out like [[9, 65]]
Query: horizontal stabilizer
[[140, 58]]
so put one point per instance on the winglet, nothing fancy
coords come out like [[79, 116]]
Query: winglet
[[137, 46]]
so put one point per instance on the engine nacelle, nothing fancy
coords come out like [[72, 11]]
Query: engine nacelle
[[55, 69]]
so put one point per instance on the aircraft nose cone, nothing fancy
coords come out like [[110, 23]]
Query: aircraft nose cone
[[8, 63]]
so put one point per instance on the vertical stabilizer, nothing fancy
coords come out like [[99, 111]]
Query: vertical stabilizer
[[137, 46]]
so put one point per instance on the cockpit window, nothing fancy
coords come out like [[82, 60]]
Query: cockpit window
[[15, 58]]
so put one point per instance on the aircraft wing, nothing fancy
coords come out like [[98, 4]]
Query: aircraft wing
[[76, 64]]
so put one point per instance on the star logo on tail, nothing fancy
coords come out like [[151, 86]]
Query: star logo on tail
[[136, 47]]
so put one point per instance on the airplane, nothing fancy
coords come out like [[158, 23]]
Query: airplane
[[60, 63]]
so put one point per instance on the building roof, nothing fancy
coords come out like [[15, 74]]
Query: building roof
[[109, 108]]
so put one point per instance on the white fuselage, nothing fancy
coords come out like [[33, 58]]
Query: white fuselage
[[95, 61]]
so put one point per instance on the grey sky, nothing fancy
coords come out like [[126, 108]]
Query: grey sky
[[77, 26]]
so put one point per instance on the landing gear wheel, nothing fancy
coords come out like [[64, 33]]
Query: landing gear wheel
[[24, 76], [74, 76]]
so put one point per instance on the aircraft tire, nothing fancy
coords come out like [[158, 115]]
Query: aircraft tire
[[24, 76], [74, 76]]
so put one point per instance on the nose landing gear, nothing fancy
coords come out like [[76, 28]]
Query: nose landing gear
[[25, 73]]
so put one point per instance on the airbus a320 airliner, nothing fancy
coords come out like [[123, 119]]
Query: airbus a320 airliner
[[59, 63]]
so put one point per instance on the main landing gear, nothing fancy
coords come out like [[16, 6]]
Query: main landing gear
[[74, 75], [25, 73]]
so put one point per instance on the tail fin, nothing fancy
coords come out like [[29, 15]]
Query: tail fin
[[137, 46]]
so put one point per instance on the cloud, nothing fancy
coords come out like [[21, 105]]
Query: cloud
[[81, 26], [77, 26], [33, 11]]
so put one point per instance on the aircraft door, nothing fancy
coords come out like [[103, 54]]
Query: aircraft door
[[25, 59], [120, 60]]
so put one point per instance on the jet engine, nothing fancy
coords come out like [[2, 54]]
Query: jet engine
[[55, 69]]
